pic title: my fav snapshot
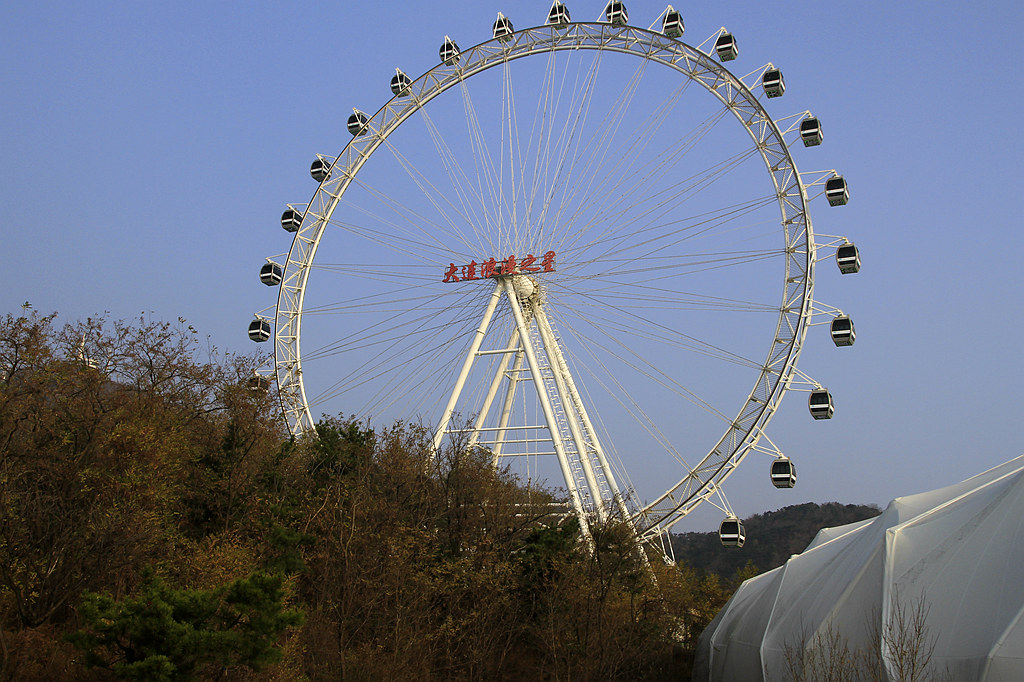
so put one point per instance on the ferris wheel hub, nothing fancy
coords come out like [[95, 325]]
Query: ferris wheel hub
[[526, 288]]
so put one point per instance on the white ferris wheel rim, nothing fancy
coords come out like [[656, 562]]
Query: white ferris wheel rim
[[745, 431]]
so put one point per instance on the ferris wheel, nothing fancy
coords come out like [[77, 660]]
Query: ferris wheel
[[583, 249]]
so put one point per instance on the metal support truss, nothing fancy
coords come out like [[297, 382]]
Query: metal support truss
[[566, 431]]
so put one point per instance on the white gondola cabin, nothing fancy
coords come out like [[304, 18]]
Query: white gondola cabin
[[773, 84], [320, 169], [672, 25], [615, 14], [271, 274], [503, 28], [291, 220], [258, 383], [357, 122], [848, 258], [783, 473], [732, 533], [259, 330], [810, 132], [400, 83], [836, 191], [820, 404], [725, 47], [843, 333], [449, 52], [558, 15]]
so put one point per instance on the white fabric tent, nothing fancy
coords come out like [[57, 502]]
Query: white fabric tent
[[958, 550]]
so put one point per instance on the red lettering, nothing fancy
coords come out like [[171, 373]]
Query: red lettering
[[488, 268], [498, 268]]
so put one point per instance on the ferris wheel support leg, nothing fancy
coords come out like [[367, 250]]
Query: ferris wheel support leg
[[474, 348], [492, 390], [549, 415], [577, 401], [506, 408], [570, 397]]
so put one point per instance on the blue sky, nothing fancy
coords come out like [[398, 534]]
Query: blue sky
[[148, 150]]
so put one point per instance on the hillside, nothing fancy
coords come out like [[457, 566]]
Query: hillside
[[772, 537], [158, 523]]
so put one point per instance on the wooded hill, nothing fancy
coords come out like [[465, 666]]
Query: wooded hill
[[158, 523], [772, 537]]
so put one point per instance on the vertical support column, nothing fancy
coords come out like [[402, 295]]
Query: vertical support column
[[560, 371], [492, 390], [549, 415], [555, 351], [506, 407]]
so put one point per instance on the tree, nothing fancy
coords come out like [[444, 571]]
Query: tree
[[114, 438], [898, 650], [170, 634], [151, 503]]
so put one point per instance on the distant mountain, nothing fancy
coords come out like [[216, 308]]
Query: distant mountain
[[772, 537]]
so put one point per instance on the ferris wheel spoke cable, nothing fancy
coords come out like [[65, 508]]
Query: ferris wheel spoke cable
[[421, 389], [676, 265], [435, 196], [379, 334], [631, 318], [642, 295], [614, 179], [630, 405], [648, 219], [486, 175], [637, 409], [409, 316], [572, 133], [649, 259], [465, 183], [692, 348], [371, 375], [567, 138], [371, 235], [657, 246], [385, 356], [383, 302], [596, 154], [540, 137], [619, 187], [376, 307], [472, 200], [637, 290], [682, 193], [515, 160], [423, 274], [587, 152], [662, 271], [611, 220], [677, 303]]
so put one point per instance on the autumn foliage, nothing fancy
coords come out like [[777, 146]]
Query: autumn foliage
[[157, 522]]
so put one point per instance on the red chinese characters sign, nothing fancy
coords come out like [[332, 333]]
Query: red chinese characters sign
[[498, 268]]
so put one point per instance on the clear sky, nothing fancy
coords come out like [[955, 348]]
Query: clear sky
[[149, 149]]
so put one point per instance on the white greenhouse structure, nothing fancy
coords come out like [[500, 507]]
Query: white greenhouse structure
[[953, 556]]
